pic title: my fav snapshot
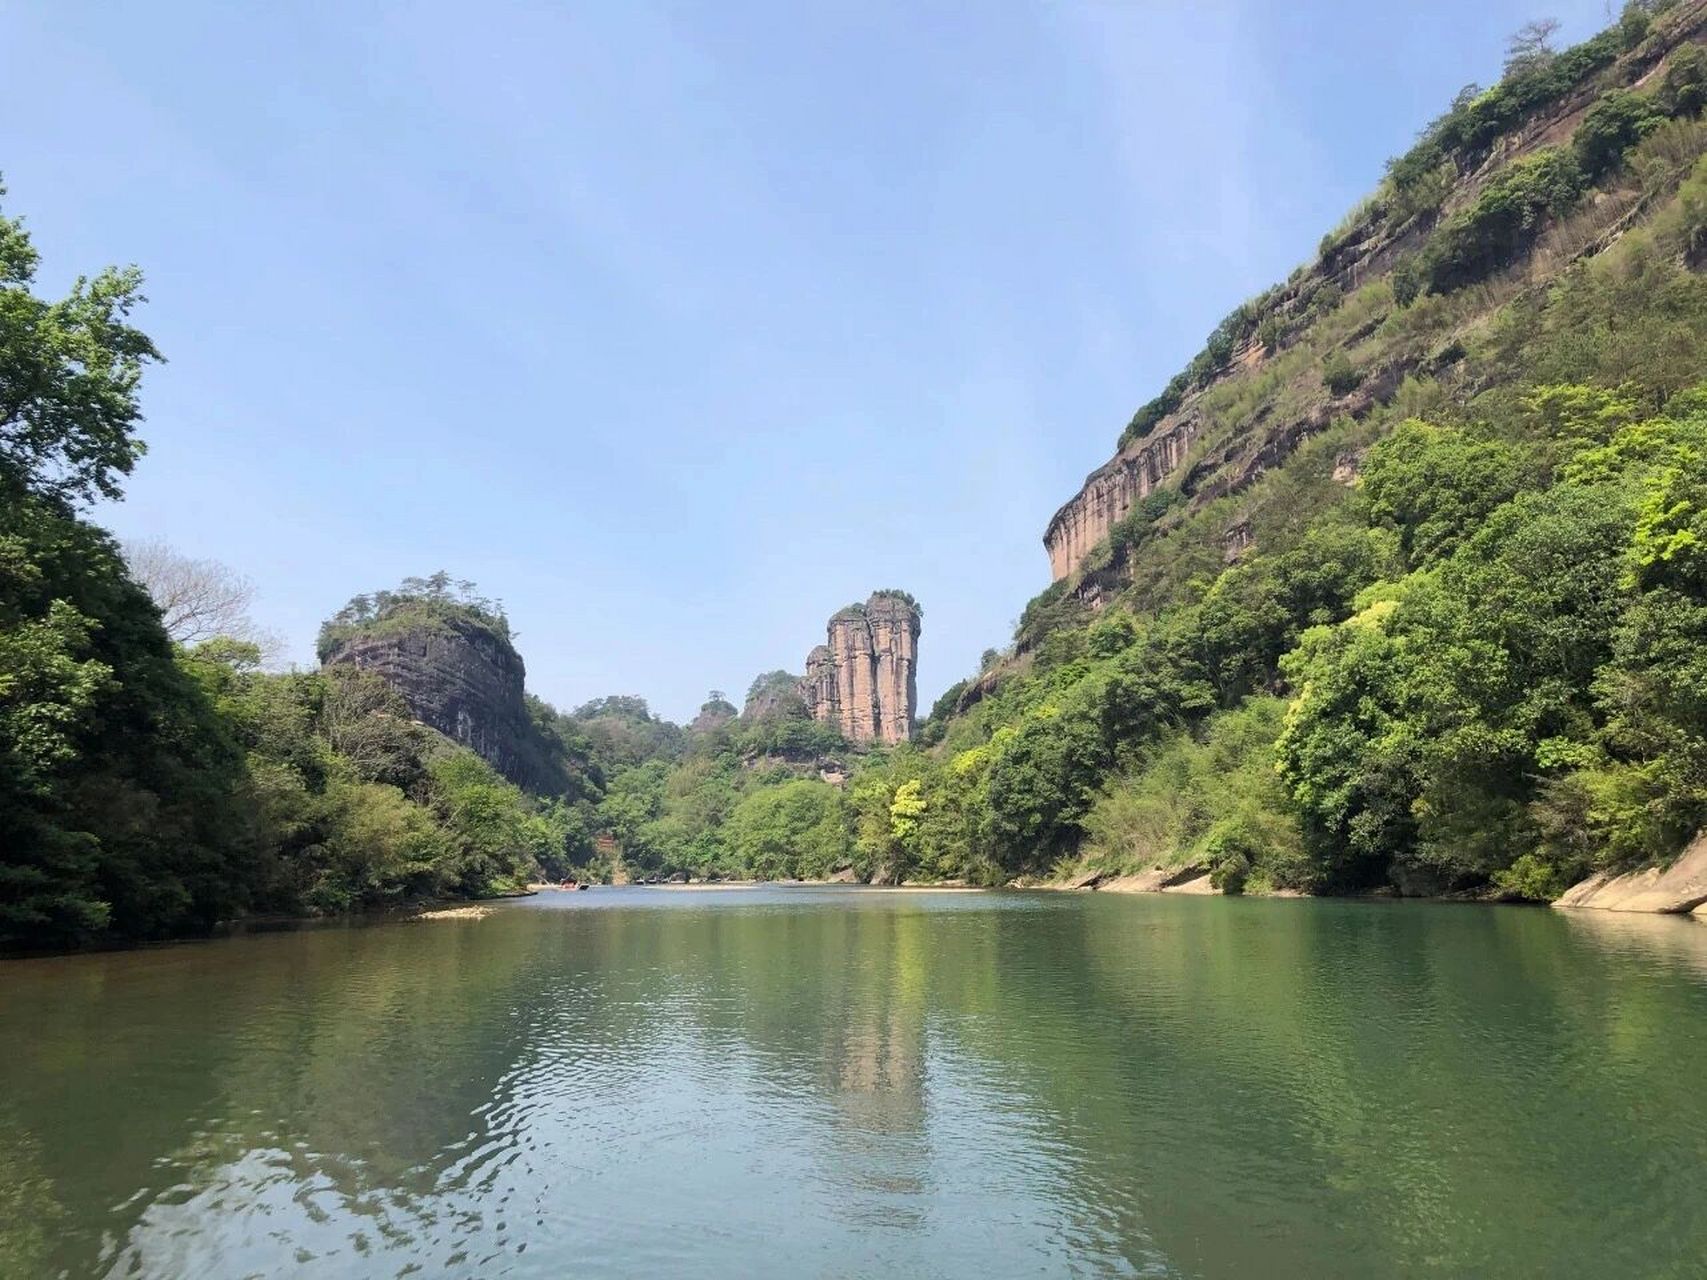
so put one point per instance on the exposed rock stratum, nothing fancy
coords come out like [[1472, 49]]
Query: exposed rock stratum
[[864, 679], [461, 679]]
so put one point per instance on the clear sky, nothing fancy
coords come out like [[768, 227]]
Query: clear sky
[[678, 326]]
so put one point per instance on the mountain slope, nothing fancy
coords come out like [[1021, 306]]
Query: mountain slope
[[1396, 584]]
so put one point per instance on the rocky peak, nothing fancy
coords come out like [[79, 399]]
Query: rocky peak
[[457, 677], [864, 678], [454, 665], [714, 713]]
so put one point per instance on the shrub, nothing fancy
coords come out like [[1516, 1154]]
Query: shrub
[[1339, 375], [1230, 850], [1615, 123], [1145, 420], [1407, 282], [1324, 300], [1683, 92], [1504, 220], [1532, 877], [1633, 24]]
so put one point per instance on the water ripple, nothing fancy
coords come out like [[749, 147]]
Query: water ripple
[[834, 1083]]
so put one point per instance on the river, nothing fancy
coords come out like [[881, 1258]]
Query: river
[[844, 1082]]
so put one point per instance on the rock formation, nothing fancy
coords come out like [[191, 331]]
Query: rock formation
[[818, 686], [460, 678], [1673, 890], [1111, 491], [772, 695], [864, 680], [894, 622], [714, 713]]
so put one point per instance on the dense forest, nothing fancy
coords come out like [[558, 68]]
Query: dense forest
[[1456, 645]]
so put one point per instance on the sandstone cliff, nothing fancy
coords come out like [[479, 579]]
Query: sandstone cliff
[[1111, 491], [458, 677], [864, 679]]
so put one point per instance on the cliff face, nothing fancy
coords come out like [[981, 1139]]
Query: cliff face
[[864, 679], [1111, 491], [894, 624], [462, 680], [818, 687]]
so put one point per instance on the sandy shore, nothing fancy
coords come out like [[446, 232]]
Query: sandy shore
[[704, 886]]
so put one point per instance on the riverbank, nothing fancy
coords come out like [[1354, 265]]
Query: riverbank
[[1677, 889], [244, 926]]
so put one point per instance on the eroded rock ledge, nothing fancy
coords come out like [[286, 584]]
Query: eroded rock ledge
[[1111, 491], [1674, 890]]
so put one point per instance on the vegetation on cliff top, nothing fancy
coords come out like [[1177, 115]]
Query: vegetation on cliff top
[[415, 604], [1507, 216]]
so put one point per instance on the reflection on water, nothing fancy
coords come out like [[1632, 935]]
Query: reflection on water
[[837, 1082]]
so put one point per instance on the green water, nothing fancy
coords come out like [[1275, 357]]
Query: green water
[[804, 1082]]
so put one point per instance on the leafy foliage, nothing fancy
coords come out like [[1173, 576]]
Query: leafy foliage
[[1504, 219], [69, 372], [414, 603]]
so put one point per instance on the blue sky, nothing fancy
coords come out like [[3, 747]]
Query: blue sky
[[678, 326]]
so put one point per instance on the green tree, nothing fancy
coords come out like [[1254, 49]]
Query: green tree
[[69, 372], [1435, 485], [1683, 92], [797, 829], [1614, 124]]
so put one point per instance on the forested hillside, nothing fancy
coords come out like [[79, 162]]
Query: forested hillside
[[1418, 600], [1402, 583], [1393, 587]]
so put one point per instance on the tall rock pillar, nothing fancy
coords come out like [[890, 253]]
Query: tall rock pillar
[[894, 624], [856, 691], [865, 679]]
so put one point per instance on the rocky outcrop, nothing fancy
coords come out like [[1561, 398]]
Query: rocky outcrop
[[462, 679], [1674, 890], [714, 713], [818, 687], [864, 679], [1158, 880], [773, 695], [1111, 491], [855, 664], [1236, 540], [894, 623]]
